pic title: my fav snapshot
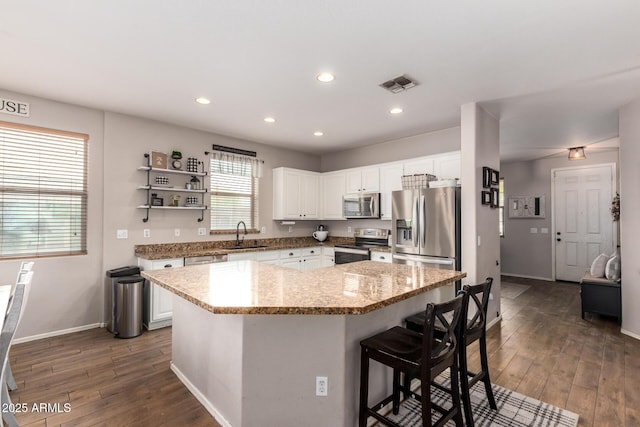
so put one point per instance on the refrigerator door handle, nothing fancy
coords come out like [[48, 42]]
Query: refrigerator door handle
[[423, 224], [415, 229], [441, 261]]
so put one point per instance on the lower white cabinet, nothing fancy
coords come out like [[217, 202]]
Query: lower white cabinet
[[158, 307], [239, 256], [328, 257], [381, 256]]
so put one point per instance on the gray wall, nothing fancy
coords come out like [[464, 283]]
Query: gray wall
[[425, 144], [522, 253], [629, 218]]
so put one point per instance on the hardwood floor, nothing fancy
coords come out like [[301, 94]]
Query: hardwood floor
[[542, 348]]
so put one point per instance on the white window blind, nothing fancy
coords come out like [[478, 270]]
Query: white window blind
[[43, 192], [234, 193]]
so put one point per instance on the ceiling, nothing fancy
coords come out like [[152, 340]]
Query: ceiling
[[554, 73]]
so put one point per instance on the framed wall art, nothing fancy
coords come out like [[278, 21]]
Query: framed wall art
[[485, 197], [486, 177]]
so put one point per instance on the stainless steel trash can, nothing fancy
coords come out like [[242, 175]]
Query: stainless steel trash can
[[123, 301]]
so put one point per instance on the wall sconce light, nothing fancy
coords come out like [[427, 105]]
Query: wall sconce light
[[576, 153]]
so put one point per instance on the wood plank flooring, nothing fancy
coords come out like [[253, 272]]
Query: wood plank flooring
[[542, 348]]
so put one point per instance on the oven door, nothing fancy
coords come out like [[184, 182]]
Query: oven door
[[346, 255]]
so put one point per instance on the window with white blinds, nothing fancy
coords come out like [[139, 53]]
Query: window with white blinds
[[43, 192], [234, 195]]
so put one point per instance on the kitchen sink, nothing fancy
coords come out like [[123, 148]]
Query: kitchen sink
[[235, 248]]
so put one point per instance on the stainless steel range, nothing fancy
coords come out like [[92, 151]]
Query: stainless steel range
[[366, 238]]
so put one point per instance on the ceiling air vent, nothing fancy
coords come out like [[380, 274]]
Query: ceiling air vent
[[399, 84]]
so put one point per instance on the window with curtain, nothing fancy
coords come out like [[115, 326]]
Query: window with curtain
[[501, 207], [234, 192], [43, 192]]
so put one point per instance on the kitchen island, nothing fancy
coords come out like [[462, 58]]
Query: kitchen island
[[249, 339]]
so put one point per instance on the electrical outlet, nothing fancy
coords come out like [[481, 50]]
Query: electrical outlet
[[122, 234], [202, 231], [263, 229], [290, 229], [348, 229], [146, 232], [176, 232], [322, 386]]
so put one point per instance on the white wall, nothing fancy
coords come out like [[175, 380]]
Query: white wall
[[629, 218], [480, 136], [522, 253], [66, 292]]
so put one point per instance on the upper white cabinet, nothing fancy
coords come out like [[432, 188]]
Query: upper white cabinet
[[295, 194], [363, 180], [390, 180], [447, 166], [419, 166], [333, 188]]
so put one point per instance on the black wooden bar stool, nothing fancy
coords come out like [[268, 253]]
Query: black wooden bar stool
[[419, 355], [475, 329]]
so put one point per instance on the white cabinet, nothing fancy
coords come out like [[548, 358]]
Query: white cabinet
[[447, 166], [328, 257], [390, 180], [290, 258], [296, 194], [311, 258], [333, 187], [381, 256], [421, 165], [158, 307], [269, 257], [363, 180]]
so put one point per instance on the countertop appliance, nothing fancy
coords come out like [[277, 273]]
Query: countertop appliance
[[366, 238], [426, 227], [361, 205]]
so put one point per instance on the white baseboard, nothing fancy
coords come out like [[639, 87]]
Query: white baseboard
[[494, 322], [631, 334], [201, 398], [60, 332], [547, 279]]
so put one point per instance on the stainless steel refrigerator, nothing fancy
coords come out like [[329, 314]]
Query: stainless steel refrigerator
[[426, 227]]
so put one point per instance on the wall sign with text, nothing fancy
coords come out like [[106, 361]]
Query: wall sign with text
[[15, 108]]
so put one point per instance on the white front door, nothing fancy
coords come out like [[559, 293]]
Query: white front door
[[583, 223]]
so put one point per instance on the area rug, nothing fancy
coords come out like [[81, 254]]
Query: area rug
[[514, 409], [512, 290]]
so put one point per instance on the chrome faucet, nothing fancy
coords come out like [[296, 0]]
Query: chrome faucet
[[238, 241]]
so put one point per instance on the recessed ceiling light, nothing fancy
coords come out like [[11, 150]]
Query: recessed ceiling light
[[325, 77], [396, 110], [269, 120], [318, 133], [203, 101]]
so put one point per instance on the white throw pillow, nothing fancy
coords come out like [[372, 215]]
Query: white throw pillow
[[598, 265], [612, 269]]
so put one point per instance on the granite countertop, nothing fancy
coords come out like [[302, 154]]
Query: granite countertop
[[220, 247], [249, 287]]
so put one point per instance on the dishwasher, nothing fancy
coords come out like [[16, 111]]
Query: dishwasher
[[204, 259]]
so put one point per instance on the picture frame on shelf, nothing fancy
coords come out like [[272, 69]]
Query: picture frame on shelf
[[486, 177], [158, 160], [494, 197], [495, 177], [485, 197]]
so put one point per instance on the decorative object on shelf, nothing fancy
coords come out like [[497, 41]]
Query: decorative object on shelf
[[158, 160], [615, 207], [192, 201], [188, 186], [485, 197], [195, 183], [192, 164], [175, 200], [162, 180], [417, 181], [155, 200], [176, 163]]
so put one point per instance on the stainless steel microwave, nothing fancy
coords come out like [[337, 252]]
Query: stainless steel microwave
[[361, 205]]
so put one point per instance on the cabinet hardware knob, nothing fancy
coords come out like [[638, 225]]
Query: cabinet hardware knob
[[290, 253], [168, 266], [559, 240]]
